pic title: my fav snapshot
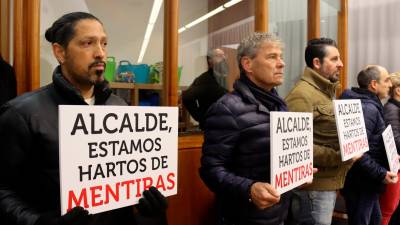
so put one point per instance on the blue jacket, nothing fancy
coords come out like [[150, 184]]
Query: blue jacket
[[236, 153], [368, 173]]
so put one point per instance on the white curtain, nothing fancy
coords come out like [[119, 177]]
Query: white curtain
[[374, 35]]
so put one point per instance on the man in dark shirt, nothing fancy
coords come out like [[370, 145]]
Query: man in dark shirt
[[208, 87], [29, 150]]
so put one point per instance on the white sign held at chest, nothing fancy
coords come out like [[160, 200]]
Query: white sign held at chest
[[110, 154], [350, 125], [391, 150], [291, 150]]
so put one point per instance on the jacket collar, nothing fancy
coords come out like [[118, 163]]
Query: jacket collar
[[365, 96], [321, 83], [394, 101], [66, 89], [242, 89], [248, 96]]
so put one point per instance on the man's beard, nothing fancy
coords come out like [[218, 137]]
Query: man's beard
[[334, 78], [99, 73], [220, 71]]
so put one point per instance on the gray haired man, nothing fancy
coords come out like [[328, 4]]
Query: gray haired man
[[236, 149]]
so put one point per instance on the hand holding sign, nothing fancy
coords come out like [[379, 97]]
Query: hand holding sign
[[390, 178], [264, 195], [152, 208], [152, 203], [76, 216]]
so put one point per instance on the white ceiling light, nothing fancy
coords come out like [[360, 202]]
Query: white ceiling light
[[208, 15], [152, 20], [181, 29], [231, 3]]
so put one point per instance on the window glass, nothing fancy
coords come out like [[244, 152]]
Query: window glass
[[134, 56], [329, 18], [288, 20], [224, 31]]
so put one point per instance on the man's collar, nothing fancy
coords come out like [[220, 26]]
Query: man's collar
[[320, 82], [101, 89]]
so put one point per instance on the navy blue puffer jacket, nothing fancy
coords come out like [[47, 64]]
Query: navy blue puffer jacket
[[369, 172], [236, 153]]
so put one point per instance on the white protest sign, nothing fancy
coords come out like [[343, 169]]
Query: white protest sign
[[391, 150], [110, 154], [350, 125], [291, 149]]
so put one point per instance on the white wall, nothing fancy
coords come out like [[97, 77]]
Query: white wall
[[50, 11], [374, 37]]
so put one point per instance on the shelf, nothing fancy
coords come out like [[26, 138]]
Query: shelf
[[134, 88], [122, 85]]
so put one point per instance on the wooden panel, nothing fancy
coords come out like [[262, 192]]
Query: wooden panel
[[191, 141], [32, 60], [19, 47], [313, 19], [170, 74], [26, 45], [194, 204], [6, 54], [261, 16], [5, 30], [343, 42]]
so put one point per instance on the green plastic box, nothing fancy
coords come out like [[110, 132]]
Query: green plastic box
[[110, 69]]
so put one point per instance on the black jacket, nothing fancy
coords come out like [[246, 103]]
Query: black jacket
[[236, 154], [367, 174], [8, 84], [29, 163], [392, 117], [201, 94]]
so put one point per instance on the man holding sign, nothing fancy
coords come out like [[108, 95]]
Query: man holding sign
[[29, 153], [314, 93], [236, 150], [366, 179]]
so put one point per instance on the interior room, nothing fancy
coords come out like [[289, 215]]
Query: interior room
[[157, 48]]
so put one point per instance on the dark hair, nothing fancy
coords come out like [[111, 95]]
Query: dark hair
[[367, 75], [316, 48], [63, 29]]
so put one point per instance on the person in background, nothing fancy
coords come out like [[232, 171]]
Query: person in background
[[29, 150], [366, 178], [236, 149], [208, 87], [8, 83], [389, 200], [314, 93]]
